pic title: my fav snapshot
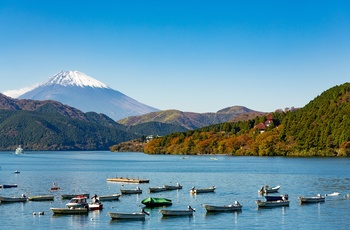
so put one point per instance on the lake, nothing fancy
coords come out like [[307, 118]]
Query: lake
[[236, 178]]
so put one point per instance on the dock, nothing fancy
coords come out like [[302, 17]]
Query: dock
[[127, 180]]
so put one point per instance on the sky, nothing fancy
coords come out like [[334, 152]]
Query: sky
[[194, 55]]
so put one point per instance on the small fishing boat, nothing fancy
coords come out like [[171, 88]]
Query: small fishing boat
[[138, 190], [78, 202], [269, 204], [19, 150], [223, 208], [127, 180], [275, 198], [312, 199], [156, 189], [70, 196], [128, 216], [186, 212], [202, 190], [8, 186], [267, 189], [110, 197], [173, 187], [156, 202], [41, 198], [70, 211], [22, 198], [54, 187], [95, 203], [333, 194], [16, 172]]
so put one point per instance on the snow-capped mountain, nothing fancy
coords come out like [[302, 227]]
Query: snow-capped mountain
[[83, 92]]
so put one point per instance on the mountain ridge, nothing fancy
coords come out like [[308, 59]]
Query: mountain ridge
[[191, 120]]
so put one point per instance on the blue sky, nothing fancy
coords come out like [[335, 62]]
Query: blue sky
[[197, 56]]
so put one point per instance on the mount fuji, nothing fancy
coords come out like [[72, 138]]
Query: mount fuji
[[87, 94]]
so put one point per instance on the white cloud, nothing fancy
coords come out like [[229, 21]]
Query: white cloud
[[18, 92]]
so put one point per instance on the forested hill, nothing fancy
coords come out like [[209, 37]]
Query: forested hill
[[50, 125], [321, 128]]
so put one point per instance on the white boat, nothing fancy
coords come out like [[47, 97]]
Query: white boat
[[157, 189], [69, 211], [95, 205], [19, 150], [268, 204], [78, 202], [185, 212], [333, 194], [41, 198], [267, 189], [223, 208], [109, 197], [22, 198], [312, 199], [173, 187], [138, 190], [202, 190], [128, 216]]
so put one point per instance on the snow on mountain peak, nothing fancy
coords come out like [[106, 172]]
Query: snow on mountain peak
[[75, 78]]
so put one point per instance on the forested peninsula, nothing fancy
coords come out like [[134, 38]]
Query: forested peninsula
[[321, 128]]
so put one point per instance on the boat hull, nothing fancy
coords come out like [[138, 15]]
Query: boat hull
[[133, 191], [271, 204], [109, 197], [13, 199], [173, 187], [41, 198], [95, 206], [225, 208], [276, 198], [127, 216], [311, 199], [70, 196], [8, 186], [127, 180], [70, 211], [176, 212], [267, 189], [203, 190], [157, 189]]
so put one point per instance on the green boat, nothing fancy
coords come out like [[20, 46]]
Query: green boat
[[154, 202]]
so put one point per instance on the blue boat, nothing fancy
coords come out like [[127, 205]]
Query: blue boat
[[8, 186], [276, 198]]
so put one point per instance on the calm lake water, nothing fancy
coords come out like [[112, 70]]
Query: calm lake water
[[236, 178]]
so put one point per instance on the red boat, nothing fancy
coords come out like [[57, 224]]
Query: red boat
[[55, 187], [95, 204]]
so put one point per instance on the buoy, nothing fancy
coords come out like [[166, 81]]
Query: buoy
[[34, 213]]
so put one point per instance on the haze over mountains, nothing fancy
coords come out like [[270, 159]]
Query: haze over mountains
[[87, 94]]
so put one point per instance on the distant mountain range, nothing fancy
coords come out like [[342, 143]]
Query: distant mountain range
[[87, 94], [190, 120]]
